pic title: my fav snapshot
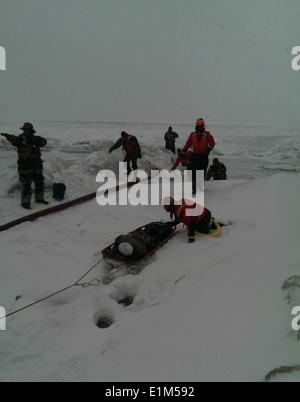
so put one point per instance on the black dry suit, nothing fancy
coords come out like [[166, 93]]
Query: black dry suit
[[30, 166], [143, 240]]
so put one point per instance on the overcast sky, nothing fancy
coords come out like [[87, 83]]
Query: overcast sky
[[150, 60]]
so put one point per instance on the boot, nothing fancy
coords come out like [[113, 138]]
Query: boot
[[39, 190], [26, 193], [26, 206], [42, 202]]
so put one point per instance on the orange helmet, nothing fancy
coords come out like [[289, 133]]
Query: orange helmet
[[200, 122]]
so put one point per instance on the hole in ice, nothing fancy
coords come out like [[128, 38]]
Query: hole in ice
[[103, 318], [104, 322], [126, 301]]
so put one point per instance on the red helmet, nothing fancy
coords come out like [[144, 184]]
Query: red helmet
[[200, 122]]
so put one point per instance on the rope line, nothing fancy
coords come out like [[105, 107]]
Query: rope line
[[59, 291], [38, 301], [32, 217]]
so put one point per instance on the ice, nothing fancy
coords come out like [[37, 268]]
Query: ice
[[211, 311]]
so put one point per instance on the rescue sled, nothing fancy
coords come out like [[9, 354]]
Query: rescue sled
[[123, 261]]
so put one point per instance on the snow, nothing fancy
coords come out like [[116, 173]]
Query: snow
[[214, 310]]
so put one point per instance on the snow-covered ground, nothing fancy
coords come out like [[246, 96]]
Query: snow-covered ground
[[214, 310]]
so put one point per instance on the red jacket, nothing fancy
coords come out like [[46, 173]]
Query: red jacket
[[181, 215], [200, 142], [183, 160]]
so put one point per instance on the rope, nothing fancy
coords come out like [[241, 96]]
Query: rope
[[90, 270], [95, 282], [37, 302], [60, 291]]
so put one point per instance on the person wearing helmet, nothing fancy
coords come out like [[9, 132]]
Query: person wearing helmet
[[201, 221], [184, 159], [137, 244], [170, 138], [133, 245], [217, 171], [202, 143], [132, 150], [30, 164]]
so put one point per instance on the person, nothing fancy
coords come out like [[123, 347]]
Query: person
[[217, 171], [203, 143], [137, 244], [170, 138], [30, 164], [132, 150], [184, 159], [134, 245], [200, 222]]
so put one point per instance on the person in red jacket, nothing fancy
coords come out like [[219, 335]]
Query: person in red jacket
[[132, 150], [202, 143], [201, 221], [184, 159]]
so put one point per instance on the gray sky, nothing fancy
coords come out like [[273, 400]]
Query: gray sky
[[150, 60]]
